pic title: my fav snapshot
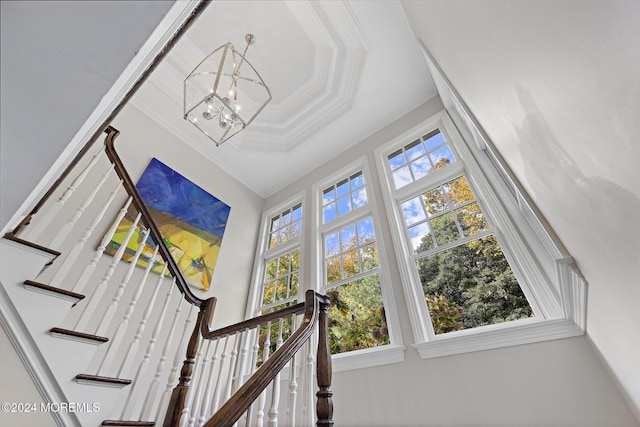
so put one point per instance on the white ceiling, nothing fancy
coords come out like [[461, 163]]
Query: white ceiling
[[338, 72]]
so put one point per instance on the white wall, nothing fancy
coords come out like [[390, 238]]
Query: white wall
[[140, 140], [18, 388], [555, 85], [59, 58], [556, 383]]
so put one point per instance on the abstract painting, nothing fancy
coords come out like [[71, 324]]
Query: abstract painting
[[191, 221]]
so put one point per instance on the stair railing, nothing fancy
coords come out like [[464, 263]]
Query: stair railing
[[262, 369], [253, 365]]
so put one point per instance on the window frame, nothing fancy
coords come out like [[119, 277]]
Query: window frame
[[553, 293], [264, 254], [375, 356]]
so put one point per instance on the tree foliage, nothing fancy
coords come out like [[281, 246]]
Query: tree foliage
[[471, 284], [356, 317]]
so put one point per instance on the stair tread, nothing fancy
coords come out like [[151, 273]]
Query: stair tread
[[127, 423], [53, 289], [79, 334], [100, 379], [11, 236]]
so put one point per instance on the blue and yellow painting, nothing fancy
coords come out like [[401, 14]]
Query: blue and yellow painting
[[191, 221]]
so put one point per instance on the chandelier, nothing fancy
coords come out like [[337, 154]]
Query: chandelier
[[224, 93]]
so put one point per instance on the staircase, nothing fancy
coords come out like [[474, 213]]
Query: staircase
[[109, 342]]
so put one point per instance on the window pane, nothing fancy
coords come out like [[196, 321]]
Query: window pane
[[396, 159], [421, 167], [369, 256], [342, 187], [347, 238], [444, 227], [285, 226], [402, 177], [471, 219], [296, 229], [294, 285], [296, 213], [459, 191], [359, 198], [471, 285], [334, 273], [434, 201], [329, 212], [328, 195], [421, 238], [270, 273], [275, 223], [295, 260], [434, 141], [357, 181], [442, 157], [267, 296], [331, 244], [412, 211], [365, 231], [344, 205], [285, 218], [283, 268], [351, 263], [281, 291], [357, 316], [415, 150]]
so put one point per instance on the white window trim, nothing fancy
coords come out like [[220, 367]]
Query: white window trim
[[376, 356], [557, 294], [262, 253]]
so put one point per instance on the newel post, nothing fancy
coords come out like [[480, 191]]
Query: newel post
[[179, 394], [324, 405]]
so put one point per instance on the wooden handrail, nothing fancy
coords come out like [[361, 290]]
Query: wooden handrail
[[207, 333], [238, 404], [137, 201]]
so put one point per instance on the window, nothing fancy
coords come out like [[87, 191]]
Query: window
[[467, 270], [280, 272], [363, 327], [464, 275]]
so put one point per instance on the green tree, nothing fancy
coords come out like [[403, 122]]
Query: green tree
[[356, 317], [471, 284]]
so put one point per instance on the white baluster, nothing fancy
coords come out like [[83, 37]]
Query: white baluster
[[74, 253], [64, 231], [115, 343], [232, 364], [252, 369], [208, 395], [308, 415], [193, 387], [137, 387], [96, 297], [199, 383], [88, 270], [125, 366], [220, 378], [154, 388], [275, 390], [113, 306], [51, 212], [242, 361], [177, 358], [263, 396], [293, 381]]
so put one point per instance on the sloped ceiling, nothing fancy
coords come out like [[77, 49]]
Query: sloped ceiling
[[556, 86], [58, 60], [335, 77]]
